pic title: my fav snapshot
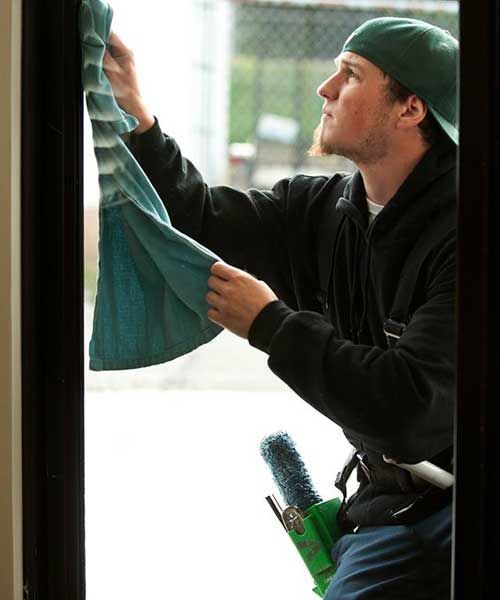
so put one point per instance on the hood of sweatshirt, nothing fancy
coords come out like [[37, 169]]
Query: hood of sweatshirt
[[370, 258]]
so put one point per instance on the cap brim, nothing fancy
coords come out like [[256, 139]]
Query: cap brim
[[450, 130]]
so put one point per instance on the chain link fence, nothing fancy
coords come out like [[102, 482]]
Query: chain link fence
[[280, 53]]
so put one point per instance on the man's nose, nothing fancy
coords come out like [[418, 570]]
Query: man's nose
[[328, 89]]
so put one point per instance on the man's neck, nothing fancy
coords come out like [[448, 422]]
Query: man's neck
[[383, 179]]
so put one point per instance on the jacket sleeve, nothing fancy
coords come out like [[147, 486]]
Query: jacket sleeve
[[398, 401], [246, 229]]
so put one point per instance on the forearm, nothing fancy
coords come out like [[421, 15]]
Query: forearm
[[145, 117], [177, 182], [245, 228], [398, 401]]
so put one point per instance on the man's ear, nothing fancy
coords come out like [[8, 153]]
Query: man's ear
[[413, 111]]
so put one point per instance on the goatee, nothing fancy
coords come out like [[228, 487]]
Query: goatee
[[371, 149], [317, 148]]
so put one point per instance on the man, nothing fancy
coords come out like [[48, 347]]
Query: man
[[348, 283]]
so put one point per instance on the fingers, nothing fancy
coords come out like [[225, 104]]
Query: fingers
[[225, 271], [116, 46], [115, 74], [215, 300], [217, 284], [214, 315], [109, 63]]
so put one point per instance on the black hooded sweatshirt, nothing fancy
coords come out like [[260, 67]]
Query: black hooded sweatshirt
[[327, 342]]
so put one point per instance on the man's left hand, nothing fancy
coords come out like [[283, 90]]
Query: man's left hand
[[236, 298]]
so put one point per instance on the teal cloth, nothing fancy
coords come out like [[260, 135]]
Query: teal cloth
[[150, 305]]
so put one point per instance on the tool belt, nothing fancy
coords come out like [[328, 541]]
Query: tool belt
[[390, 481], [382, 475]]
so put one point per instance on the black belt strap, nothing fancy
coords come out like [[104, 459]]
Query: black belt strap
[[400, 315], [344, 474]]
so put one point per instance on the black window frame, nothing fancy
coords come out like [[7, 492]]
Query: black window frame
[[52, 304], [476, 453]]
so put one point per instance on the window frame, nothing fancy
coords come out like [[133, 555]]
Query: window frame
[[52, 304], [476, 455]]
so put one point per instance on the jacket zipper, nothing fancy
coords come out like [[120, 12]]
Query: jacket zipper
[[364, 297], [332, 266]]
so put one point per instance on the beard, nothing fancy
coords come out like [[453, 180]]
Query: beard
[[318, 146], [372, 148]]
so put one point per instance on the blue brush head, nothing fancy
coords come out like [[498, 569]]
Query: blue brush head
[[289, 471]]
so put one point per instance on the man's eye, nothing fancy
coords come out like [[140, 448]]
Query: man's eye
[[350, 73]]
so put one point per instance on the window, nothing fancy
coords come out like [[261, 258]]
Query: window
[[53, 305]]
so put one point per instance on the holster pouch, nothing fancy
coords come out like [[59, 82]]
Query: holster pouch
[[314, 544]]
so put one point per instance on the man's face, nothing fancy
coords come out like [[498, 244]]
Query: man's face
[[356, 113]]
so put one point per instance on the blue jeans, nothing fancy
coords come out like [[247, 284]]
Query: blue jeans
[[395, 562]]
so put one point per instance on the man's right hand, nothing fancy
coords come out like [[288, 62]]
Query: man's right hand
[[119, 67]]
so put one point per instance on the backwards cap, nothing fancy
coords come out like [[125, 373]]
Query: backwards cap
[[420, 56]]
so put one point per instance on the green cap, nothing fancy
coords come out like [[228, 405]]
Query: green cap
[[420, 56]]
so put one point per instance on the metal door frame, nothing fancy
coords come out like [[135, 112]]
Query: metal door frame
[[52, 304]]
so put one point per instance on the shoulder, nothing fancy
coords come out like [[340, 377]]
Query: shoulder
[[308, 195], [310, 211], [314, 185]]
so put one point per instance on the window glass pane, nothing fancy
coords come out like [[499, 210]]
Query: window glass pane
[[175, 484]]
